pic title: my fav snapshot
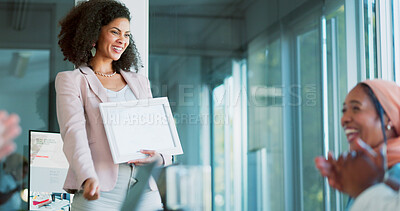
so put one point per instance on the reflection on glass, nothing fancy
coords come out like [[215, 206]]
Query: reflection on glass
[[13, 174], [218, 161], [189, 188], [370, 38], [311, 135], [229, 151], [191, 44], [337, 88], [265, 122], [24, 79]]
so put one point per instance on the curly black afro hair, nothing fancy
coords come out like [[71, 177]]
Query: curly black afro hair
[[82, 26]]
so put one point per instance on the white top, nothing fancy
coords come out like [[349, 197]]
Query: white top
[[123, 95], [378, 197]]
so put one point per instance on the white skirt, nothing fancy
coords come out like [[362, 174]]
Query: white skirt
[[112, 200]]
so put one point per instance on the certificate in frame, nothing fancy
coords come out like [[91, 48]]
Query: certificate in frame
[[140, 124]]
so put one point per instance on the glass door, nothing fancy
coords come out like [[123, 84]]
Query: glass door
[[266, 146], [308, 109], [336, 90], [229, 141]]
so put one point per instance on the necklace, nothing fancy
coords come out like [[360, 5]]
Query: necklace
[[105, 75]]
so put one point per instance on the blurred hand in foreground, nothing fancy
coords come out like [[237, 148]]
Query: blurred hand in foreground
[[9, 129]]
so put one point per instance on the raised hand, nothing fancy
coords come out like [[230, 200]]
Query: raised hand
[[359, 169], [9, 129], [327, 168]]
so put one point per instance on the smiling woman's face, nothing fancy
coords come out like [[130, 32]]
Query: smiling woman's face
[[360, 118], [114, 39]]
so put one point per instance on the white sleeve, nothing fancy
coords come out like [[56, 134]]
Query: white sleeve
[[378, 197]]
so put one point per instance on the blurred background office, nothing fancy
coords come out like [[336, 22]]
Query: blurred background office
[[256, 86]]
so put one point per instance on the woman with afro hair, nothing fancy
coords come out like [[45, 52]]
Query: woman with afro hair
[[95, 37]]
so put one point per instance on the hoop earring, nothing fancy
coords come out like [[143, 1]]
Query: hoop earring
[[93, 51]]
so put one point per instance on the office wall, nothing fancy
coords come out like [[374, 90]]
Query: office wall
[[140, 29]]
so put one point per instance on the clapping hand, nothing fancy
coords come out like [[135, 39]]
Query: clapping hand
[[360, 169], [354, 171], [327, 168]]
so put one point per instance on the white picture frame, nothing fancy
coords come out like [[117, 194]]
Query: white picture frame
[[140, 124]]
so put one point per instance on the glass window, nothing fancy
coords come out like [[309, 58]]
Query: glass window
[[229, 152], [29, 61], [24, 82], [218, 146], [192, 46], [309, 113], [337, 87], [370, 39], [266, 119], [396, 38]]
